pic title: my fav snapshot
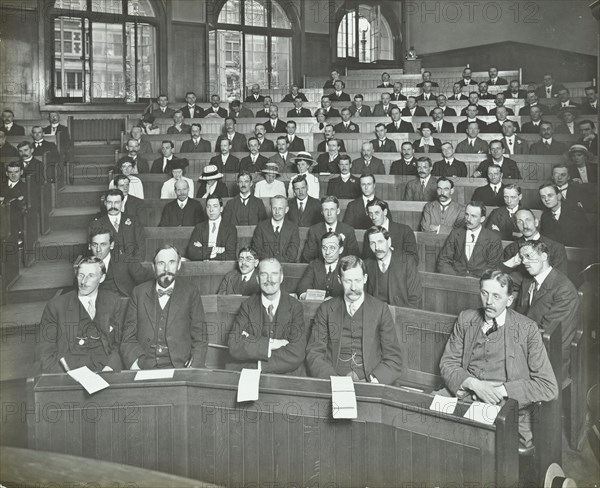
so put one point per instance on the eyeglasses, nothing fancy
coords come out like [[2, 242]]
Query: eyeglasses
[[331, 248], [250, 259]]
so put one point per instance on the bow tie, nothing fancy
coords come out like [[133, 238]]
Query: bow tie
[[162, 292]]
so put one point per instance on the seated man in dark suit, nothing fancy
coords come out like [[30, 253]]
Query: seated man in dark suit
[[566, 224], [502, 219], [444, 214], [547, 146], [412, 108], [293, 94], [329, 134], [335, 75], [225, 161], [274, 124], [449, 166], [514, 91], [165, 162], [264, 112], [402, 236], [567, 115], [244, 279], [82, 327], [13, 192], [244, 209], [384, 107], [139, 164], [466, 78], [156, 336], [196, 144], [356, 211], [548, 297], [358, 108], [483, 91], [470, 250], [501, 118], [213, 239], [590, 107], [269, 333], [588, 136], [491, 194], [457, 93], [255, 96], [367, 163], [549, 89], [179, 126], [439, 124], [122, 275], [330, 209], [474, 100], [210, 183], [345, 186], [494, 79], [163, 111], [499, 101], [41, 147], [487, 360], [191, 110], [397, 124], [9, 126], [277, 237], [385, 81], [328, 162], [264, 144], [470, 112], [296, 144], [338, 95], [572, 192], [7, 150], [322, 272], [424, 187], [215, 109], [397, 95], [532, 101], [61, 132], [426, 93], [427, 143], [407, 165], [426, 76], [535, 119], [381, 143], [346, 125], [327, 109], [442, 103], [238, 111], [298, 110], [237, 140], [392, 278], [131, 205], [255, 161], [564, 98], [509, 167], [332, 349], [512, 143], [32, 167], [304, 210], [183, 211]]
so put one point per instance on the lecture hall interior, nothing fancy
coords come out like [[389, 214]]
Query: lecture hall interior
[[299, 243]]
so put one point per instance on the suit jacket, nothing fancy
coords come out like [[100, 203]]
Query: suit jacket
[[461, 127], [528, 371], [63, 136], [496, 128], [59, 329], [9, 151], [397, 97], [388, 145], [418, 112], [130, 240], [541, 90], [326, 166], [381, 349], [134, 207], [157, 165], [356, 214], [304, 112], [249, 338], [167, 114], [312, 246], [237, 213], [329, 114], [173, 216], [315, 278], [404, 284], [447, 127], [461, 96], [348, 190], [571, 229], [403, 242], [35, 169], [183, 129], [591, 145], [311, 214], [285, 249], [509, 111], [587, 109], [365, 110], [510, 169], [226, 238], [383, 85], [499, 81], [342, 129], [123, 275], [421, 97], [436, 148], [284, 165], [403, 126], [592, 172], [262, 114], [520, 146], [376, 167], [520, 94], [140, 163], [399, 167], [486, 254], [244, 113], [297, 144], [555, 302], [221, 112], [464, 83], [479, 147], [198, 112], [232, 164], [267, 145], [452, 218], [378, 110], [246, 163], [530, 128], [505, 223], [524, 111], [555, 149], [238, 143], [253, 99], [15, 130], [322, 147], [486, 195], [448, 112], [457, 168], [186, 330], [220, 191], [342, 97], [48, 148], [232, 284], [481, 110], [415, 192], [280, 126]]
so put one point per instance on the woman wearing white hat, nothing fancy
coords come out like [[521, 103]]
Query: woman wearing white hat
[[304, 162], [210, 183], [270, 186]]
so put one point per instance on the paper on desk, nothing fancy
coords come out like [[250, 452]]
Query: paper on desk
[[91, 381], [154, 374], [315, 295], [248, 385], [443, 404], [343, 398], [484, 413]]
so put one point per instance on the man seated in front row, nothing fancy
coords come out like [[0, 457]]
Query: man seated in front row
[[475, 365], [393, 277], [269, 331], [354, 335], [82, 327], [470, 250], [322, 273], [244, 279], [156, 336]]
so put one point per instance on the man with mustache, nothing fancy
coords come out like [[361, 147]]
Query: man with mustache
[[354, 335], [244, 280], [165, 325], [443, 214], [269, 331]]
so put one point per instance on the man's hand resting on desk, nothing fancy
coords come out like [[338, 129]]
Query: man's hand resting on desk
[[486, 391]]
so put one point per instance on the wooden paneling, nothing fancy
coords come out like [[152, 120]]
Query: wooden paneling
[[189, 60], [317, 62]]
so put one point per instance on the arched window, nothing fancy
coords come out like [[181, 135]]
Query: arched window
[[104, 50], [252, 43], [364, 34]]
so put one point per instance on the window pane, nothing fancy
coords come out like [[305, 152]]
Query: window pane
[[67, 56], [256, 60], [278, 17], [345, 37], [143, 87], [71, 4], [107, 42], [281, 51], [140, 8], [230, 13], [255, 13], [107, 6]]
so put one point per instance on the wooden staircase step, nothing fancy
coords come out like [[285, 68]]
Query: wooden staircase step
[[69, 218], [80, 195], [40, 282]]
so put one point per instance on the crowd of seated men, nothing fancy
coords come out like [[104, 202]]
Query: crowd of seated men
[[162, 324]]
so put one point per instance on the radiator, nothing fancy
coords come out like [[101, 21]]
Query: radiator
[[106, 130]]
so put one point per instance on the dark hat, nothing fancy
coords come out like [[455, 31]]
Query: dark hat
[[426, 125], [180, 163], [570, 108]]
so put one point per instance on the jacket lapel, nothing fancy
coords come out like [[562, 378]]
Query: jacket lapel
[[72, 319], [149, 302]]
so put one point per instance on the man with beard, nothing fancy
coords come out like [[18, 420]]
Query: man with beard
[[244, 280], [165, 325]]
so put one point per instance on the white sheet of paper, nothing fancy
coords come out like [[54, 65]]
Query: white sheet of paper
[[443, 404], [343, 398], [248, 385], [484, 413], [154, 374], [315, 295], [91, 381]]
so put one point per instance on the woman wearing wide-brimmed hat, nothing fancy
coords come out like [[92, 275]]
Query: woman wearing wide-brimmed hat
[[270, 186], [302, 164], [177, 168], [210, 183]]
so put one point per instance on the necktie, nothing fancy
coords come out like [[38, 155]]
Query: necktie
[[426, 148], [277, 231], [495, 191], [555, 216], [532, 290], [547, 143], [245, 200], [38, 144], [472, 143], [270, 313], [181, 205], [301, 207], [469, 247], [91, 308], [493, 328], [244, 278], [298, 111], [422, 186], [116, 225], [330, 229], [439, 127], [214, 227], [380, 143], [162, 292], [383, 267], [351, 309]]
